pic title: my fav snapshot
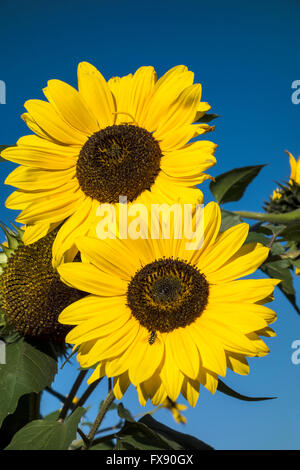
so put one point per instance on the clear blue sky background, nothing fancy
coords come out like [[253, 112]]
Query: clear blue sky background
[[246, 55]]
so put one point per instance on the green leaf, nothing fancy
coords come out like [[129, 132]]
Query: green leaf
[[275, 229], [52, 416], [291, 233], [176, 439], [281, 270], [296, 263], [229, 220], [222, 387], [230, 186], [46, 434], [139, 436], [124, 413], [105, 445], [257, 237], [13, 239], [207, 118], [27, 370], [28, 409]]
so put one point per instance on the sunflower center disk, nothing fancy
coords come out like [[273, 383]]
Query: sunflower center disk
[[120, 160], [167, 294], [32, 294]]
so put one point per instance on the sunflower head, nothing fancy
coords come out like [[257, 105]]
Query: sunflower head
[[287, 197], [31, 293], [167, 318], [126, 137], [123, 159], [13, 240]]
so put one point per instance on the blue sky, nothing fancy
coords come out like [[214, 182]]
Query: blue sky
[[246, 56]]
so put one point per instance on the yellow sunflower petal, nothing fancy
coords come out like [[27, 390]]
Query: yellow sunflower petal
[[175, 139], [88, 278], [238, 363], [245, 317], [53, 206], [105, 254], [190, 390], [153, 389], [293, 165], [184, 351], [96, 328], [245, 261], [190, 161], [120, 88], [34, 232], [181, 111], [77, 225], [70, 106], [145, 358], [209, 380], [52, 124], [171, 376], [89, 307], [120, 385], [142, 86], [111, 345], [235, 341], [97, 374], [95, 91], [34, 152], [166, 91], [246, 290], [32, 179], [211, 352], [225, 245]]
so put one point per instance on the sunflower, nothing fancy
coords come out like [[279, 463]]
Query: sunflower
[[287, 197], [31, 292], [125, 137], [295, 180], [175, 409], [166, 318]]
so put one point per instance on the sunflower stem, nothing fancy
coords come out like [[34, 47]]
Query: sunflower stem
[[87, 393], [57, 395], [69, 400], [286, 218], [102, 412]]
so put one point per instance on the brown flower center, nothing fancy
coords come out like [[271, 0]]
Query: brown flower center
[[120, 160], [32, 294], [167, 294]]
